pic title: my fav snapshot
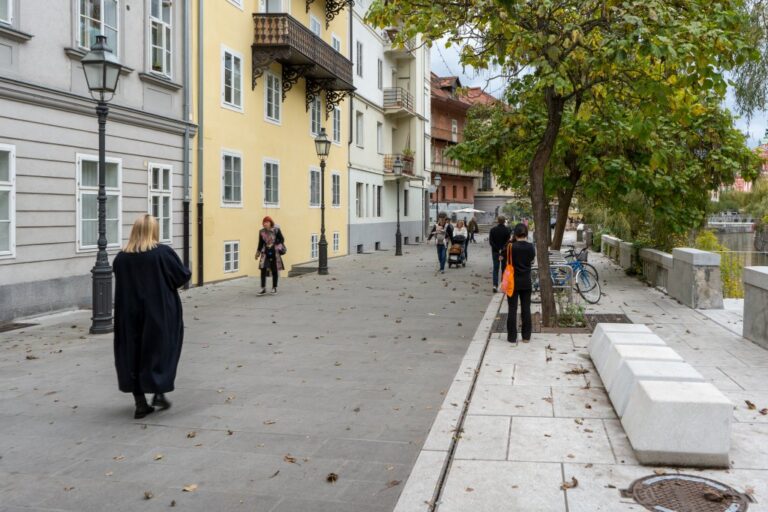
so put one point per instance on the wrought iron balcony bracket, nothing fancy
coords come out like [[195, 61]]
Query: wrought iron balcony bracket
[[333, 8], [261, 61], [333, 98], [292, 74]]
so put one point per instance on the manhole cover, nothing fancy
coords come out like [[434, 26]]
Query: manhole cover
[[606, 318], [686, 493]]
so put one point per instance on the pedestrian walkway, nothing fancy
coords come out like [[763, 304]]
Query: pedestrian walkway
[[535, 420], [317, 399]]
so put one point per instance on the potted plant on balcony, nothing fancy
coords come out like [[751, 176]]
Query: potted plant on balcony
[[408, 155]]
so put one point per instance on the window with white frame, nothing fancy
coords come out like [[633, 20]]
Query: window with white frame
[[232, 256], [379, 137], [374, 199], [314, 115], [271, 6], [359, 200], [313, 246], [232, 79], [273, 97], [160, 198], [368, 200], [336, 43], [314, 26], [335, 190], [454, 130], [336, 241], [359, 59], [337, 125], [97, 18], [6, 11], [231, 179], [160, 36], [88, 206], [271, 183], [7, 200], [314, 187], [380, 74], [359, 128]]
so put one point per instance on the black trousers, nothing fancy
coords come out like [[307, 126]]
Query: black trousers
[[271, 265], [525, 313]]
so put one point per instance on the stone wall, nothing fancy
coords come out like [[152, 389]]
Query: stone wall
[[756, 305]]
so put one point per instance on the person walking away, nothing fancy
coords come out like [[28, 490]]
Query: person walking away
[[473, 229], [149, 326], [523, 255], [461, 230], [442, 238], [270, 253], [498, 239]]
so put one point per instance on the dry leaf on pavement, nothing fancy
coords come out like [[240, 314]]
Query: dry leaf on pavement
[[290, 459], [570, 485], [750, 405], [331, 478], [148, 495], [190, 488]]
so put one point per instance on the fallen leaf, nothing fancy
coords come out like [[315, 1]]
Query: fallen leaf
[[159, 456], [659, 471], [190, 488], [230, 432], [392, 483], [331, 478], [764, 412], [290, 459], [750, 405], [30, 357], [67, 489], [714, 496], [270, 422], [108, 473], [148, 495], [577, 371], [118, 458], [469, 489], [570, 485], [275, 474], [192, 434]]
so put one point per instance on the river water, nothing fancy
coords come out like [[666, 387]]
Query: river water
[[744, 244]]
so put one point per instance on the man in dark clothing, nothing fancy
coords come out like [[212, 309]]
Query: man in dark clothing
[[498, 238], [523, 254]]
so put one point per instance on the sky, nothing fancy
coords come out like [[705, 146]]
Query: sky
[[445, 62]]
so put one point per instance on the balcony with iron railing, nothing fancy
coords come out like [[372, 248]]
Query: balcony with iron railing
[[279, 37], [397, 50], [398, 102], [407, 160], [453, 169], [447, 134]]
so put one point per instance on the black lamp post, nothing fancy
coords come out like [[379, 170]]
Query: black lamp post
[[102, 72], [437, 180], [397, 167], [323, 147]]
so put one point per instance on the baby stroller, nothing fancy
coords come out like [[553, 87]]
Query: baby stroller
[[456, 254]]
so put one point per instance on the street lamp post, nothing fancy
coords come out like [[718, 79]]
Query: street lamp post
[[437, 180], [322, 147], [397, 167], [102, 72]]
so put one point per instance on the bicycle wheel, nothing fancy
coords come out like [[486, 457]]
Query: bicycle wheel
[[592, 270], [535, 289], [588, 287]]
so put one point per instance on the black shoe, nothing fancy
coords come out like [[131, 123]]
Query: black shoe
[[263, 291], [274, 291], [495, 289], [161, 402], [512, 339], [142, 407]]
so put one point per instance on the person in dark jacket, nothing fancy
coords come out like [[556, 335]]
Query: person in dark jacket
[[149, 325], [498, 238], [442, 232], [270, 253], [473, 230], [523, 255]]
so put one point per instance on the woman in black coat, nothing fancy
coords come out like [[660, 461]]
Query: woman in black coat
[[523, 254], [149, 328]]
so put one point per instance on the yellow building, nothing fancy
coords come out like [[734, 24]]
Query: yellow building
[[270, 74]]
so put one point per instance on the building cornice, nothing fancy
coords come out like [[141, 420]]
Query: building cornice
[[24, 92]]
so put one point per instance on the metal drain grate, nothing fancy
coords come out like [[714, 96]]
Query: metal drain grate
[[686, 493], [606, 318], [500, 323], [12, 326]]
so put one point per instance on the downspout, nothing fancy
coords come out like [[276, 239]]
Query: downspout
[[185, 108], [200, 127], [349, 141]]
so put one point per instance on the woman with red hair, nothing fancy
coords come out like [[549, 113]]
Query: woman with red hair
[[269, 253]]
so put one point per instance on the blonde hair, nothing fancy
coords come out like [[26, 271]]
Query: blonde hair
[[145, 234], [460, 224]]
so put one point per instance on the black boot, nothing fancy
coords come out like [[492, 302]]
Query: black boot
[[160, 401], [142, 407]]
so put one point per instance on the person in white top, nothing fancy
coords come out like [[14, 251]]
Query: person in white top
[[461, 230]]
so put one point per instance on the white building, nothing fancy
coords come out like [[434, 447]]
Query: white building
[[389, 119]]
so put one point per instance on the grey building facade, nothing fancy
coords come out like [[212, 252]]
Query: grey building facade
[[49, 143]]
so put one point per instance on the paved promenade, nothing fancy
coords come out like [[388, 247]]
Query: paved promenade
[[531, 425], [341, 375]]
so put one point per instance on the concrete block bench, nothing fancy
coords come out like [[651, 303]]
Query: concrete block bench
[[633, 371], [679, 424], [617, 354], [602, 345], [596, 342]]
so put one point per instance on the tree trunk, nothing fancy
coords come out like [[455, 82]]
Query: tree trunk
[[555, 105], [564, 198]]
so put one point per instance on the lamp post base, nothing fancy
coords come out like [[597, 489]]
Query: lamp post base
[[101, 321], [398, 244], [322, 267]]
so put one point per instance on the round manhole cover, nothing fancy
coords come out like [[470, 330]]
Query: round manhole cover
[[686, 493]]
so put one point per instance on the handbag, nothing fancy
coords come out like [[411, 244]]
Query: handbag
[[508, 279], [282, 249]]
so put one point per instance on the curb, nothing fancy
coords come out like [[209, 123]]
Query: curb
[[424, 485]]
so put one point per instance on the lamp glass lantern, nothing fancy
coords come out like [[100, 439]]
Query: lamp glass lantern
[[322, 144], [397, 167], [102, 69], [437, 179]]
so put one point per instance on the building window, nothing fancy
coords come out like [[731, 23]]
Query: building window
[[454, 130], [379, 137], [336, 43], [273, 98], [232, 179], [405, 203], [160, 198], [337, 125], [368, 200], [359, 59], [455, 193], [336, 190], [465, 192], [336, 241], [443, 191], [6, 14], [487, 180], [313, 246], [88, 206], [379, 190], [271, 183], [160, 36], [359, 206], [359, 124], [231, 256], [7, 200], [314, 26], [314, 187], [96, 18], [270, 5], [232, 80], [314, 115], [380, 74]]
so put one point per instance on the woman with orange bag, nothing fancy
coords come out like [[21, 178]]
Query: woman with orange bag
[[517, 282]]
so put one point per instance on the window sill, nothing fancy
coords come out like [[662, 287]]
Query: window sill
[[160, 81], [8, 32], [78, 54]]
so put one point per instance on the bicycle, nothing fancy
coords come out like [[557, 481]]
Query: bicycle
[[584, 275]]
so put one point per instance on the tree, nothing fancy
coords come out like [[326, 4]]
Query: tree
[[570, 48]]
